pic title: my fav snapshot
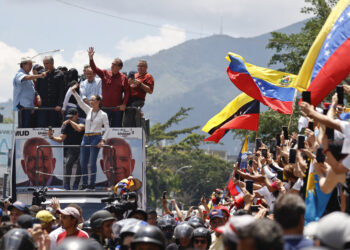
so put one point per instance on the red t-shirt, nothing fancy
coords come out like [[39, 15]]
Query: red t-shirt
[[78, 234], [138, 91], [113, 87]]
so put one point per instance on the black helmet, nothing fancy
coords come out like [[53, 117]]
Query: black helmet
[[149, 234], [201, 232], [118, 225], [166, 221], [138, 211], [196, 222], [79, 244], [132, 227], [184, 230], [17, 239], [167, 224], [99, 217]]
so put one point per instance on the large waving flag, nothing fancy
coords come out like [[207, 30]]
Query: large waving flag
[[268, 86], [241, 113], [315, 201], [328, 60]]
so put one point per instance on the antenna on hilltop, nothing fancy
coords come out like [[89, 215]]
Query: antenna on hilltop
[[221, 26]]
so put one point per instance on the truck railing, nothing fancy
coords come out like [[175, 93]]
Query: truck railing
[[112, 168], [116, 108]]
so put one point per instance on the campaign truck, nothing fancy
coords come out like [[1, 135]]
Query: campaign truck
[[38, 168]]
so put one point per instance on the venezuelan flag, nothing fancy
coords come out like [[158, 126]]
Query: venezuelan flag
[[315, 201], [242, 157], [328, 60], [233, 189], [240, 113], [268, 86]]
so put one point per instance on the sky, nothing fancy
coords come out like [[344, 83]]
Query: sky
[[125, 29]]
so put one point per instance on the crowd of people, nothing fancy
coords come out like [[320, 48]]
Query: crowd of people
[[223, 225]]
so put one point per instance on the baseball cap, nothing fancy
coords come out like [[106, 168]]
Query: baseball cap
[[216, 213], [72, 112], [333, 230], [223, 208], [70, 211], [26, 59], [45, 216], [234, 224], [19, 205]]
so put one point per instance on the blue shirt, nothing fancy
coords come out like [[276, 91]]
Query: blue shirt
[[23, 91], [296, 242], [87, 89]]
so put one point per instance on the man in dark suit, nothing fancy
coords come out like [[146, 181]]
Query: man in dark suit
[[46, 164]]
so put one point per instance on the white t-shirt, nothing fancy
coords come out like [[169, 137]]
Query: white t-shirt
[[345, 128], [268, 196], [54, 234], [298, 184]]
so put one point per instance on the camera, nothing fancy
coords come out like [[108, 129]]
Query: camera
[[39, 195], [119, 204]]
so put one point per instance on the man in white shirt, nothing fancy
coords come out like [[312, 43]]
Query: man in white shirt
[[90, 86]]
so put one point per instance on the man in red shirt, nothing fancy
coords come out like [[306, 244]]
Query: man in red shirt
[[70, 220], [140, 86], [115, 89]]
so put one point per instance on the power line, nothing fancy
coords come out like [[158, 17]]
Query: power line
[[128, 19]]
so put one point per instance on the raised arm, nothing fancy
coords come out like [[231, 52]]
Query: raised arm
[[308, 110], [98, 71], [178, 211]]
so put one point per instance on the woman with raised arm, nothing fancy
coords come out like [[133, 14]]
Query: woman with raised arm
[[95, 119]]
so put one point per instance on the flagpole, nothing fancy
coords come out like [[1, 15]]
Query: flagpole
[[291, 116]]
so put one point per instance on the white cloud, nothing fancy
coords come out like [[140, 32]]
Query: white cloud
[[10, 57], [149, 45]]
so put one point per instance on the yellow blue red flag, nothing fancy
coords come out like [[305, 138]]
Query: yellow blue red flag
[[270, 87], [328, 60], [240, 113]]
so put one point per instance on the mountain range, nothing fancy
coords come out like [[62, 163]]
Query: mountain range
[[193, 74]]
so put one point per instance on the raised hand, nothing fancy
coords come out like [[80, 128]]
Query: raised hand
[[91, 52]]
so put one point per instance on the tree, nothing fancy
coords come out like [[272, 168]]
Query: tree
[[181, 167]]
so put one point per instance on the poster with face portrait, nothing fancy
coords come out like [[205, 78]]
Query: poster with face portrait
[[38, 161], [128, 146]]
